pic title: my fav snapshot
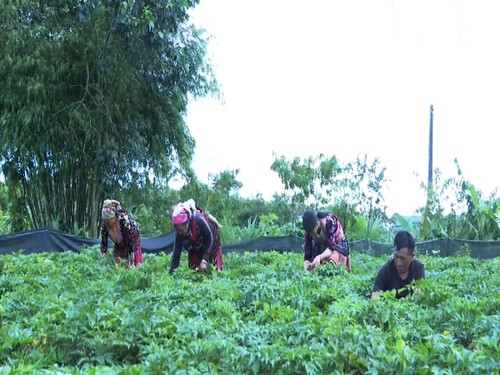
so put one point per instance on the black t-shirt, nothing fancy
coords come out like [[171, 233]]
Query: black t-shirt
[[388, 278]]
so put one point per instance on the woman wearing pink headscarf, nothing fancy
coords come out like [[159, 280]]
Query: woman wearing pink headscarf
[[123, 231], [196, 233]]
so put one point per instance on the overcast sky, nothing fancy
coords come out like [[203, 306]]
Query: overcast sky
[[348, 78]]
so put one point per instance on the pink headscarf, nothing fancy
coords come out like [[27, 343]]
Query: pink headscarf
[[180, 214]]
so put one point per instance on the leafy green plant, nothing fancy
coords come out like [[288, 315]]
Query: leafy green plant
[[68, 313], [464, 251], [469, 216], [4, 223]]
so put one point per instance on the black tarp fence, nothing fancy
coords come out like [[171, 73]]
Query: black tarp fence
[[50, 240]]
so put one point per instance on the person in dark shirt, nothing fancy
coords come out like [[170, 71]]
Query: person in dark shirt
[[198, 235], [324, 241], [398, 273]]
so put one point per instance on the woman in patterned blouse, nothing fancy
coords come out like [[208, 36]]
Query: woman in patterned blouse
[[123, 231], [324, 240], [196, 233]]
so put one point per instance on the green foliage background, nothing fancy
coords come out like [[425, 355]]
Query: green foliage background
[[92, 106], [93, 100]]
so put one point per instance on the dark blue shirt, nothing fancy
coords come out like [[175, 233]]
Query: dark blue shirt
[[388, 278]]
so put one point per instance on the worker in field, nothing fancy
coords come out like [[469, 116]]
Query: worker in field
[[123, 231], [191, 207], [198, 233], [402, 270], [324, 241]]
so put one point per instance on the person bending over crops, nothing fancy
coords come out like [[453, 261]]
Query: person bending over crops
[[190, 205], [123, 231], [196, 233], [324, 240], [399, 272]]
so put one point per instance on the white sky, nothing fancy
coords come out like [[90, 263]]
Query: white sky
[[352, 77]]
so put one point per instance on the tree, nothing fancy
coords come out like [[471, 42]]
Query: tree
[[353, 191], [310, 181], [220, 196], [4, 209], [366, 183], [93, 99], [456, 209]]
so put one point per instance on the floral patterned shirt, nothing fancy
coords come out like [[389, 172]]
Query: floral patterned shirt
[[331, 237], [131, 240]]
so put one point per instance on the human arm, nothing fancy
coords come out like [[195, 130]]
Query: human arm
[[176, 254], [308, 258], [104, 239], [380, 282], [208, 242], [131, 231], [308, 247], [321, 258], [332, 232], [207, 238]]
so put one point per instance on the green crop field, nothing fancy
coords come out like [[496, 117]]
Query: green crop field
[[67, 313]]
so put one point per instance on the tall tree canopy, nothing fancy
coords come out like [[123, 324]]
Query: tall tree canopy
[[93, 97]]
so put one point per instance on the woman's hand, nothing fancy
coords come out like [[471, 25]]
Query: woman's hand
[[307, 265], [203, 266], [316, 261]]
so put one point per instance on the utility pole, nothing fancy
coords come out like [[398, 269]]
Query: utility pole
[[429, 177]]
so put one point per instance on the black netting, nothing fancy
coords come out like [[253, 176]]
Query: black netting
[[48, 240]]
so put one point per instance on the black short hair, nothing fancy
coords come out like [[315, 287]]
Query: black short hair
[[309, 220], [404, 239]]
